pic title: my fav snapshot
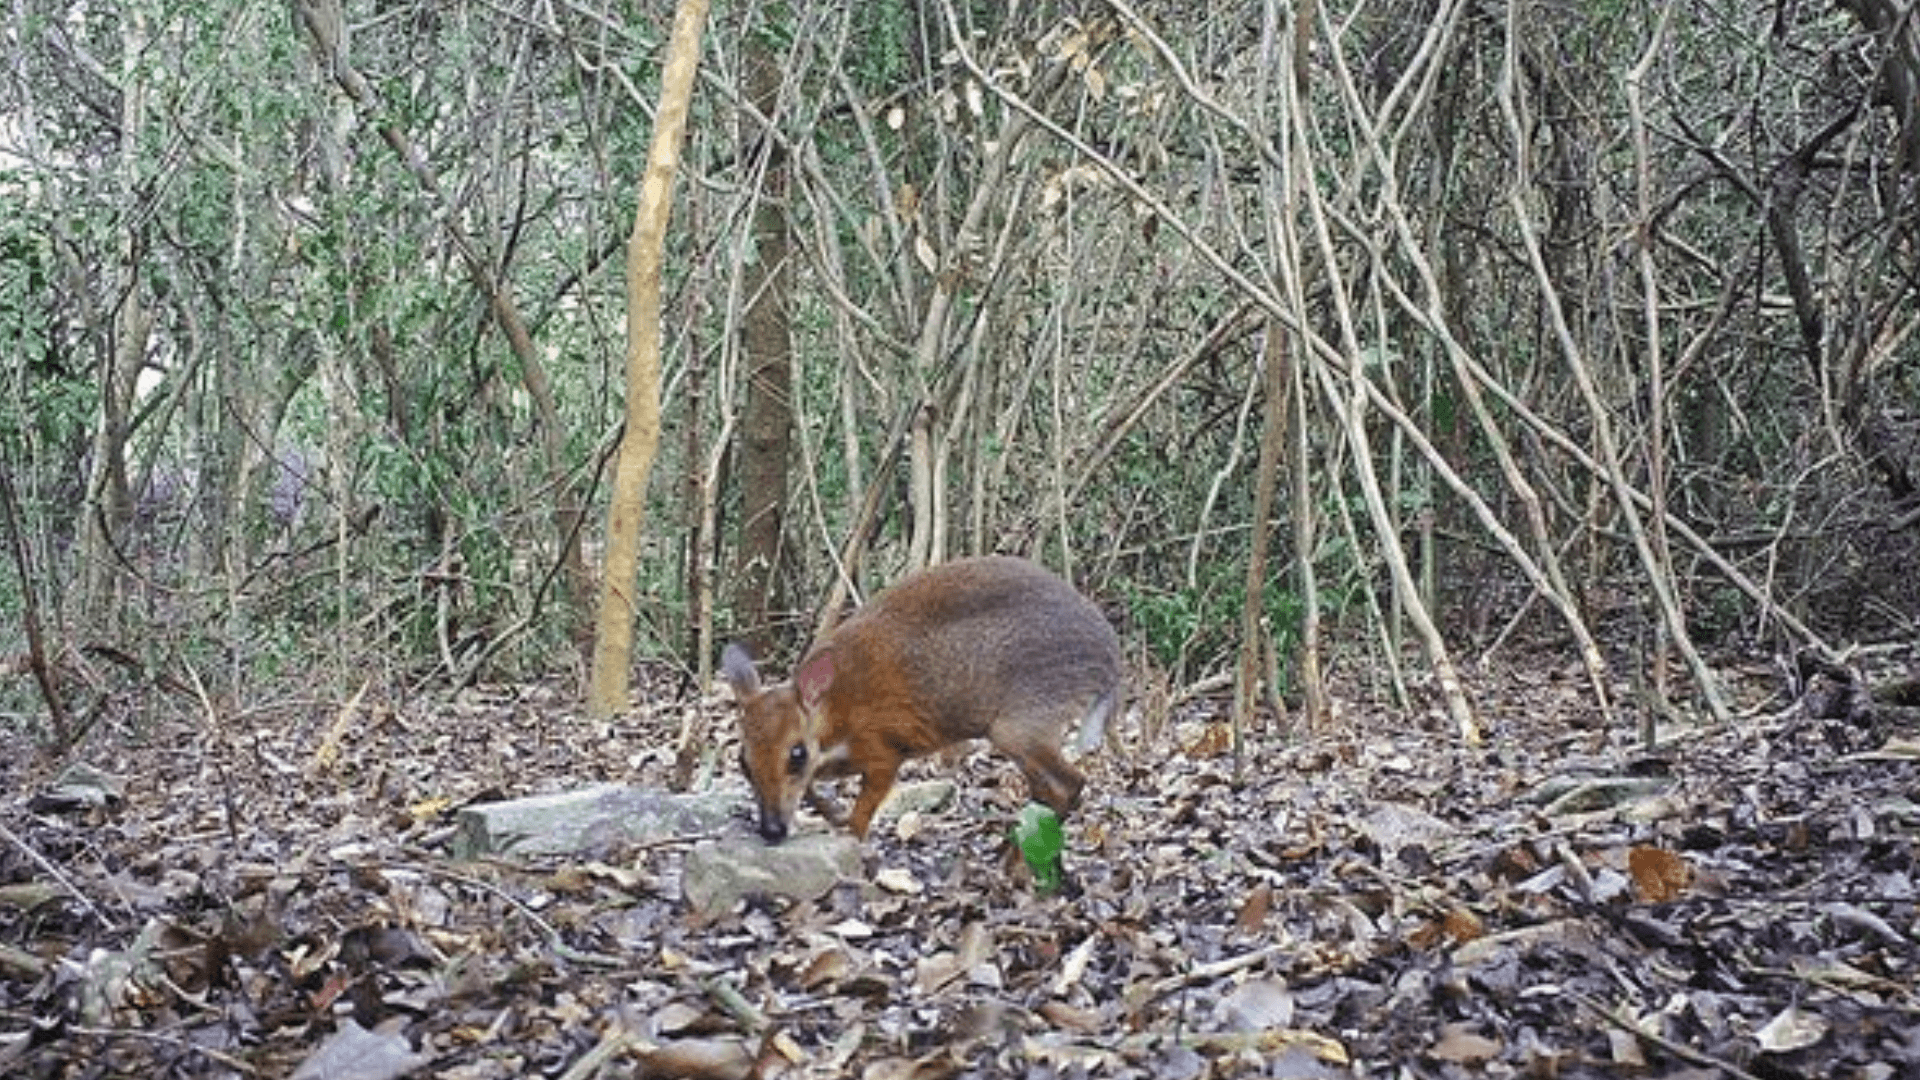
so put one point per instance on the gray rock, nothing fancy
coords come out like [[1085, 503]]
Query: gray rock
[[719, 873], [592, 820]]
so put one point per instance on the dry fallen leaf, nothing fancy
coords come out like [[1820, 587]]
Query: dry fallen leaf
[[1460, 1044], [1253, 910], [676, 1017], [908, 825], [354, 1053], [1257, 1005], [1463, 926], [1214, 740], [1624, 1047], [898, 880], [698, 1059], [931, 974], [1075, 965], [828, 966], [1793, 1028], [1658, 875], [1073, 1018]]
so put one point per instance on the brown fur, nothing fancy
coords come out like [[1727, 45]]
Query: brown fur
[[995, 648]]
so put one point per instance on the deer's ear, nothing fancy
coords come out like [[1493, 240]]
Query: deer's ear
[[739, 671], [813, 678]]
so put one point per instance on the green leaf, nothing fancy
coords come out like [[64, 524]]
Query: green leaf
[[1038, 835]]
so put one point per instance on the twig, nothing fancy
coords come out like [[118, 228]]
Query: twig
[[232, 810], [613, 1042], [228, 1060], [1219, 968], [53, 872], [546, 929], [64, 735], [1679, 1050], [736, 1005]]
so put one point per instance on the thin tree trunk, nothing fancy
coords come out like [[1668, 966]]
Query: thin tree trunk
[[626, 509], [123, 337], [920, 551], [1273, 439], [1317, 705], [1654, 358], [766, 423], [37, 660], [695, 578]]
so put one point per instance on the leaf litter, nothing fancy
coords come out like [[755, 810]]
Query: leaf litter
[[276, 897]]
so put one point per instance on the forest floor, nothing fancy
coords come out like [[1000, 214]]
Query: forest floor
[[272, 895]]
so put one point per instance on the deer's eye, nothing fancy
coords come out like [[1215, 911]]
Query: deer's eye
[[797, 759]]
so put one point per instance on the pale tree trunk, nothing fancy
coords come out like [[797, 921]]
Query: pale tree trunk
[[124, 334], [1654, 360], [1316, 703], [1285, 377], [921, 552], [1273, 438], [626, 507], [766, 422], [345, 430], [240, 436], [110, 497]]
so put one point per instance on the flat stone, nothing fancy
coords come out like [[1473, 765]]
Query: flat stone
[[719, 873], [592, 820]]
